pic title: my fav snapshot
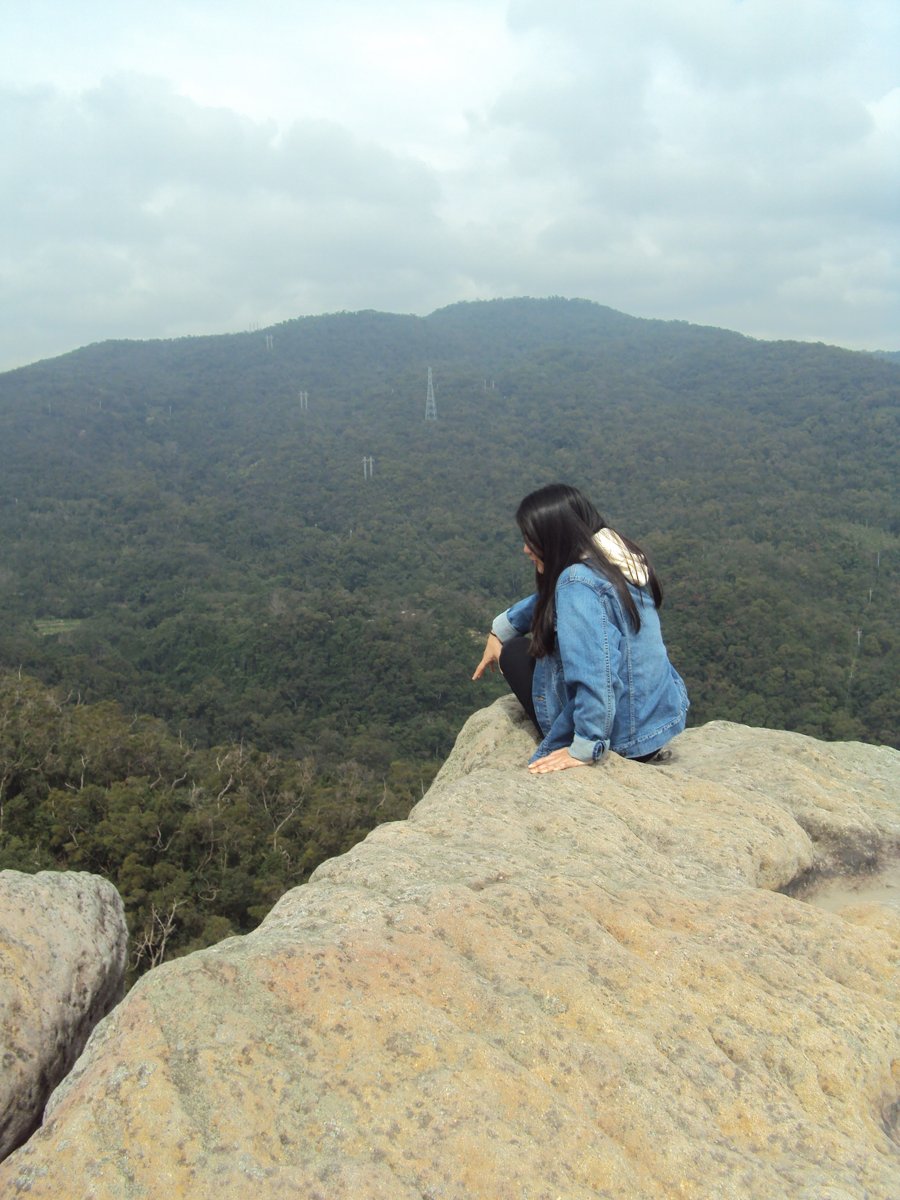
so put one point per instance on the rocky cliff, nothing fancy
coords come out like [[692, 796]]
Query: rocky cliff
[[575, 986], [63, 948]]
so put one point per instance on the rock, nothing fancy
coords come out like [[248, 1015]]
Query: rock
[[574, 986], [63, 945]]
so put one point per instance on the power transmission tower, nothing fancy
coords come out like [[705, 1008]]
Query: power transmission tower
[[430, 406], [304, 401], [270, 341], [368, 467]]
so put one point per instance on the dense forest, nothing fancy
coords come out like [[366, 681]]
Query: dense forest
[[195, 559]]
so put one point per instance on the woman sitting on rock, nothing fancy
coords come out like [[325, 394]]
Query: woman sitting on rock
[[594, 675]]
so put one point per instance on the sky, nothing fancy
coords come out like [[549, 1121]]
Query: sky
[[206, 166]]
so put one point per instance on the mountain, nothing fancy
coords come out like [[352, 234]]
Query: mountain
[[182, 535]]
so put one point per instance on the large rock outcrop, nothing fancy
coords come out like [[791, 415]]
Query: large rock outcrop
[[63, 946], [575, 986]]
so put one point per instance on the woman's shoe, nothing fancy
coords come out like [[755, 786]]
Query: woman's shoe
[[661, 756]]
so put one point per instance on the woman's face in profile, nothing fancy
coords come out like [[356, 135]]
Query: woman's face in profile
[[538, 564]]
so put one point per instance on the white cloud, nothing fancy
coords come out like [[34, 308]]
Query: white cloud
[[717, 161], [196, 165], [138, 212]]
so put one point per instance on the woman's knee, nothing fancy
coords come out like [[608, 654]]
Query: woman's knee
[[514, 657]]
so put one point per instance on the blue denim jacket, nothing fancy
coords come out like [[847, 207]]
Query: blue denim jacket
[[604, 687]]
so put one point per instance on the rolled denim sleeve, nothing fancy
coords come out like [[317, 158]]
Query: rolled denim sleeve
[[516, 621], [587, 642], [586, 750]]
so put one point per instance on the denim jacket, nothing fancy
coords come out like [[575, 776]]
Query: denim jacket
[[603, 687]]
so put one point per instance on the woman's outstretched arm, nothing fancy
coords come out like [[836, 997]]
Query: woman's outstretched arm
[[491, 657]]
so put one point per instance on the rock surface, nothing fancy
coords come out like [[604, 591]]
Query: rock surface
[[565, 987], [63, 945]]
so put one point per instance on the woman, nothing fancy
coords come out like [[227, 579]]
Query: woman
[[595, 675]]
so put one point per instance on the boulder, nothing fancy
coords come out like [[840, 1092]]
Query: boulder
[[63, 945], [582, 985]]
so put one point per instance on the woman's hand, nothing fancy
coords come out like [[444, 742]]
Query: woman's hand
[[559, 760], [491, 657]]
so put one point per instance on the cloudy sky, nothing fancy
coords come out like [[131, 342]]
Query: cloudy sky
[[193, 166]]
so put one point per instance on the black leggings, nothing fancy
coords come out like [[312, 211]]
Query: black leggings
[[517, 666]]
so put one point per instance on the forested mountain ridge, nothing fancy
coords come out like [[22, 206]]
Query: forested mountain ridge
[[182, 535], [219, 546]]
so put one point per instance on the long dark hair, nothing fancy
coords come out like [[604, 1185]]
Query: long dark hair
[[558, 523]]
